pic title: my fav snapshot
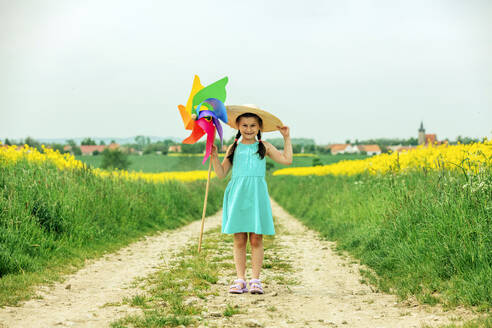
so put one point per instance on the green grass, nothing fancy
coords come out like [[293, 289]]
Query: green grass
[[484, 322], [163, 163], [188, 275], [52, 220], [231, 310], [424, 234]]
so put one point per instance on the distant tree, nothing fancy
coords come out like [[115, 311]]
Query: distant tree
[[466, 140], [102, 143], [148, 150], [114, 159], [310, 148], [112, 141], [322, 149], [347, 141], [279, 142], [7, 142], [195, 148], [384, 142], [169, 142], [71, 142], [59, 147], [317, 161], [141, 142], [159, 146], [88, 142], [296, 148], [95, 152], [76, 151], [31, 142], [384, 149], [413, 141]]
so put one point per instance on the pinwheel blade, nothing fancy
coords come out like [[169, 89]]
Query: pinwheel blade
[[187, 120], [209, 128], [214, 90], [196, 134], [219, 129], [197, 86], [219, 108]]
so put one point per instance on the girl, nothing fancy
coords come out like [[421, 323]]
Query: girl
[[246, 207]]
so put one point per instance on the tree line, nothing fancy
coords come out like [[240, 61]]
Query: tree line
[[143, 144]]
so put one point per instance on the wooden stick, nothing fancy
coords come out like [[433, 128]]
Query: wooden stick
[[205, 203]]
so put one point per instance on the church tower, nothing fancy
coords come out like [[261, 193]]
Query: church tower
[[421, 134]]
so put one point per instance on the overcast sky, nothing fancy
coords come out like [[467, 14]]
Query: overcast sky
[[330, 70]]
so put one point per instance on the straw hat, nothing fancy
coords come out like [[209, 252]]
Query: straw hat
[[270, 121]]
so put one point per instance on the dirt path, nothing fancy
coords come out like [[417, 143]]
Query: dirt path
[[327, 293], [107, 280]]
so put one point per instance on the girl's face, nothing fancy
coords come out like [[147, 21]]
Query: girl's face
[[249, 128]]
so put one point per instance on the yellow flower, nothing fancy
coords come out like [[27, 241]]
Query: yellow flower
[[469, 157], [9, 155]]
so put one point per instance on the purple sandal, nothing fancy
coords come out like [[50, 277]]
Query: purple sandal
[[238, 287], [255, 286]]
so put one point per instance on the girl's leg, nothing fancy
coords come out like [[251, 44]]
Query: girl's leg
[[256, 242], [240, 240]]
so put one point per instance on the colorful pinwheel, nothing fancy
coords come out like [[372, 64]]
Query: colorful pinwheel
[[204, 108]]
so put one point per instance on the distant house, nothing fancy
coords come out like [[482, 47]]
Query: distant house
[[431, 139], [343, 149], [370, 149], [426, 139], [175, 149], [128, 150], [90, 149]]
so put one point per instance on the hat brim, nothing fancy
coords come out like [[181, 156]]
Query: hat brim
[[270, 122]]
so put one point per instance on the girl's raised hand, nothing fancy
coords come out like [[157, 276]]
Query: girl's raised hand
[[215, 152], [284, 130]]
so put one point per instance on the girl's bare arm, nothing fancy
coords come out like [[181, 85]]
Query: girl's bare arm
[[221, 170], [284, 157]]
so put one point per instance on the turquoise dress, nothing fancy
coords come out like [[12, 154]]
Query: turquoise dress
[[246, 206]]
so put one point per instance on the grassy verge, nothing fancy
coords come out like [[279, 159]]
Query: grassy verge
[[484, 322], [177, 294], [52, 220], [427, 234]]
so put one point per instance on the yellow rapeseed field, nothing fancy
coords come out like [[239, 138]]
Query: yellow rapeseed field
[[470, 157], [11, 154]]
